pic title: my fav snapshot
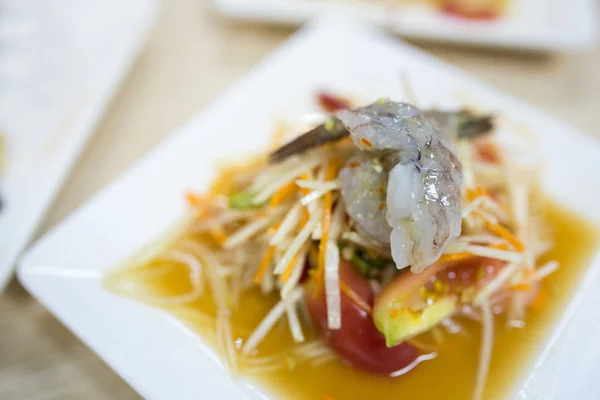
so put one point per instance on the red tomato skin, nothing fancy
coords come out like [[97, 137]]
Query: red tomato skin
[[358, 342]]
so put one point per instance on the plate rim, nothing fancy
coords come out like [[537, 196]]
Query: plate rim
[[282, 13]]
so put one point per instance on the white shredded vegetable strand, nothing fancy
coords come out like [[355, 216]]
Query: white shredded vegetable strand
[[496, 284], [319, 185], [504, 255], [455, 247], [492, 206], [294, 163], [273, 186], [451, 326], [223, 328], [316, 353], [196, 277], [542, 248], [490, 175], [243, 234], [293, 321], [317, 233], [306, 348], [417, 361], [546, 270], [225, 271], [300, 239], [485, 353], [227, 217], [516, 314], [296, 274], [469, 312], [289, 222], [268, 282], [216, 283], [332, 285], [323, 359], [268, 322], [472, 206], [482, 239], [312, 196], [337, 220]]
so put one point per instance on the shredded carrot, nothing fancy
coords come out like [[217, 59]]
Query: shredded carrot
[[353, 164], [465, 255], [314, 254], [521, 287], [499, 246], [200, 203], [264, 264], [505, 234], [489, 152], [393, 313], [288, 270], [528, 274], [305, 177], [354, 297], [218, 235], [193, 199], [455, 257], [282, 194], [366, 142], [473, 194]]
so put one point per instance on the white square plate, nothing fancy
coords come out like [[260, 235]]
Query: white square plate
[[156, 354], [526, 24], [60, 63]]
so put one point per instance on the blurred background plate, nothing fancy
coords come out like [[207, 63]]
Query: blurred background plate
[[60, 63], [523, 24]]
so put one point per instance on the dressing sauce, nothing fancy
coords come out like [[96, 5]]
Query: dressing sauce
[[451, 375]]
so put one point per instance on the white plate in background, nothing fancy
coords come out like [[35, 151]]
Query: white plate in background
[[60, 63], [527, 24], [158, 355]]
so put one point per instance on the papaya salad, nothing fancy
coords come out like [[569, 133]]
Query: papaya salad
[[383, 224]]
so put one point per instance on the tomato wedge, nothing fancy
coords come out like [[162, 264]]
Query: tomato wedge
[[358, 342]]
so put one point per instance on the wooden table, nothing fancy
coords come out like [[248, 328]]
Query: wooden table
[[191, 56]]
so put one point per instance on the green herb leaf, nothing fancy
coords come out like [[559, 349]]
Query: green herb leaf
[[241, 201], [361, 264], [364, 263]]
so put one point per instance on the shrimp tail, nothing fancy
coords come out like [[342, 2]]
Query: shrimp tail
[[461, 124], [330, 131], [472, 126]]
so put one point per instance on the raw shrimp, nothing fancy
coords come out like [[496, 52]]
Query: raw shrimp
[[460, 124], [403, 187]]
